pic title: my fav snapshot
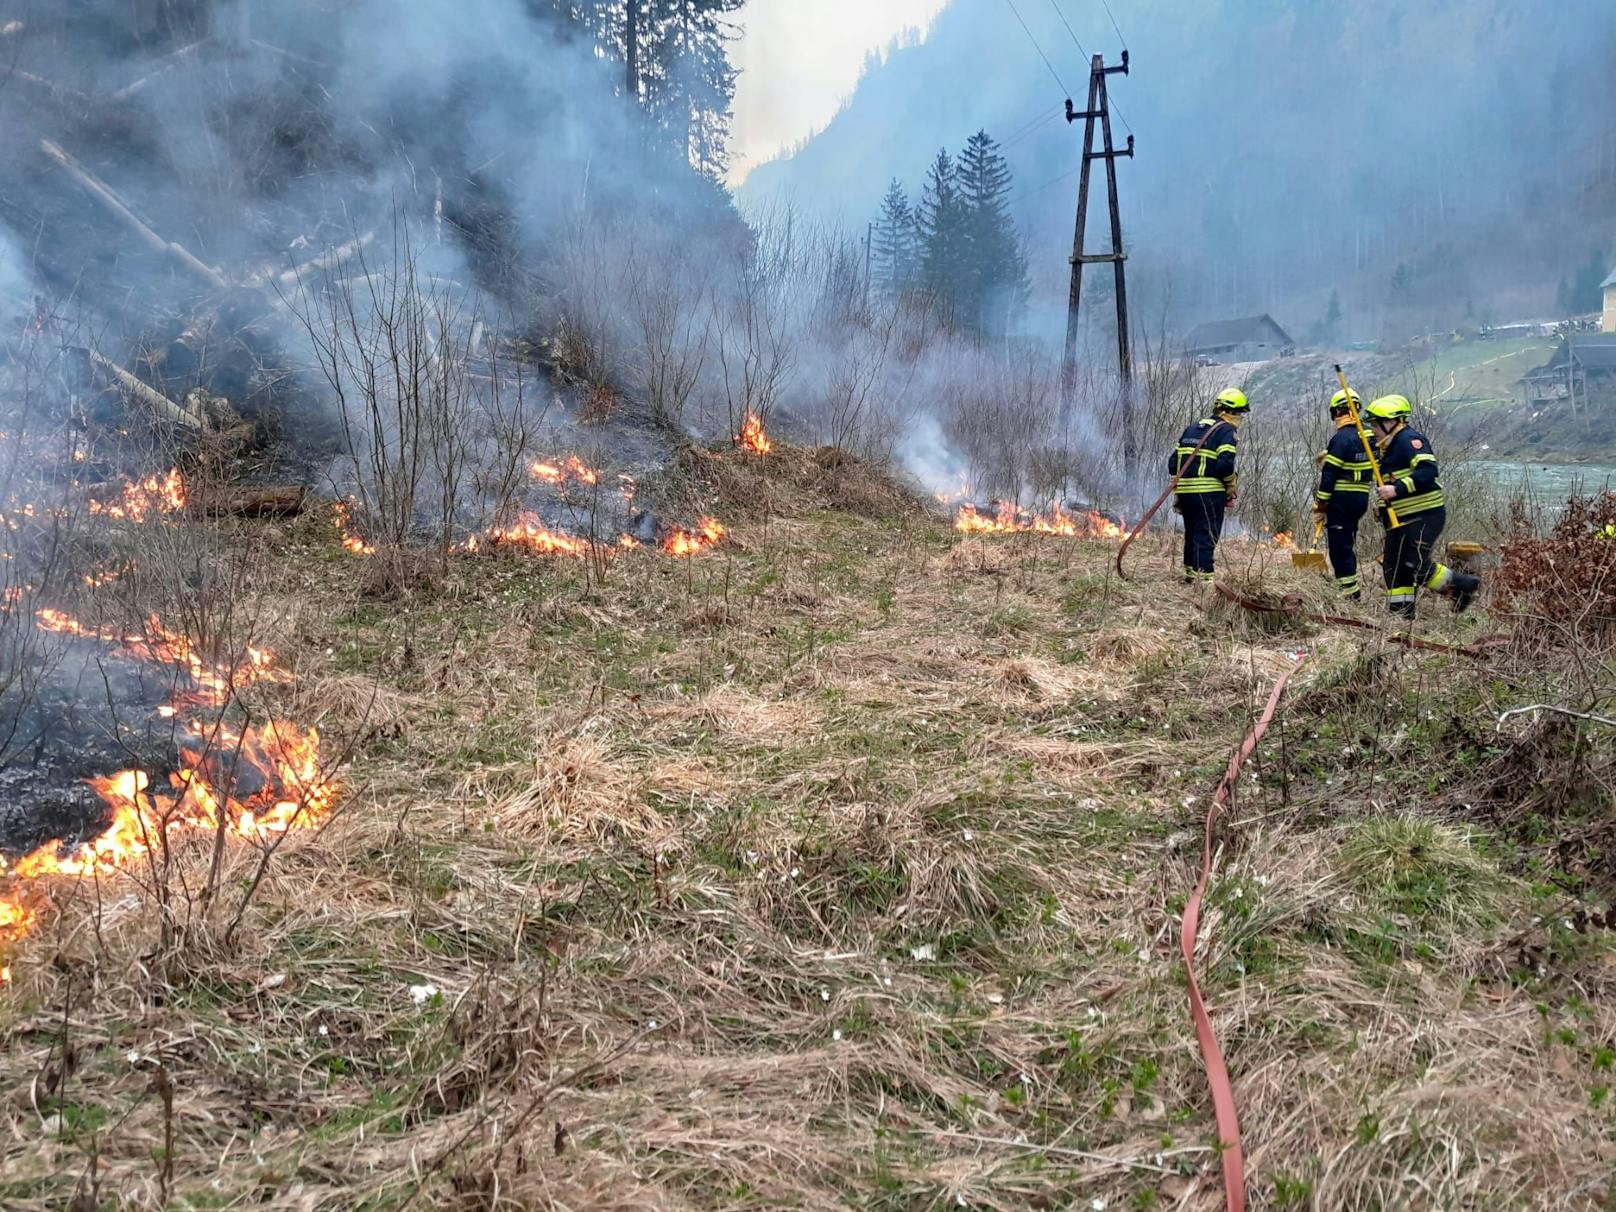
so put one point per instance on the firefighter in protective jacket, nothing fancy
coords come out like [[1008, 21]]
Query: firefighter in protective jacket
[[1345, 484], [1208, 484], [1414, 492]]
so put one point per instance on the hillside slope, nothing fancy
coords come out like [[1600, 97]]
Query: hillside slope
[[1264, 179], [841, 867]]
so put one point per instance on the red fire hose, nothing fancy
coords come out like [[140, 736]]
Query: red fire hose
[[1476, 650], [1217, 1072]]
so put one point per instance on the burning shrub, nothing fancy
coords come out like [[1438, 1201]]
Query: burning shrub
[[1567, 578]]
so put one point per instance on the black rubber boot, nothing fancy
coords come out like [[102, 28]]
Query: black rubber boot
[[1462, 589], [1403, 610]]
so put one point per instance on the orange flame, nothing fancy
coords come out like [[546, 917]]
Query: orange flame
[[1284, 541], [1056, 520], [571, 468], [752, 437], [351, 542], [530, 533], [682, 543], [141, 499], [257, 783]]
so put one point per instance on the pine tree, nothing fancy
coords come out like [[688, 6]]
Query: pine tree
[[993, 272], [689, 83], [895, 243], [686, 83], [942, 228]]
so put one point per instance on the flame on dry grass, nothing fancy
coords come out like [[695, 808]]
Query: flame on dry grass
[[707, 534], [571, 469], [752, 436], [351, 540], [257, 782], [1056, 520], [142, 499]]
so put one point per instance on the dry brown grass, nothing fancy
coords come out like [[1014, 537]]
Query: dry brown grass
[[832, 870]]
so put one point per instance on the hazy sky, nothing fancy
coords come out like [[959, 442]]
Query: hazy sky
[[799, 60]]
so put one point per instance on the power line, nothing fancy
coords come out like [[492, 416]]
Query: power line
[[1062, 15], [1053, 181], [1114, 24], [1037, 47], [1033, 123], [1031, 130]]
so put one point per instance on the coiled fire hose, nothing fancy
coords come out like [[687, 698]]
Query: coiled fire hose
[[1139, 527], [1217, 1072]]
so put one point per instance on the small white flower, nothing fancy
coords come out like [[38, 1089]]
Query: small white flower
[[795, 872], [650, 1024], [256, 1048], [132, 1056], [926, 951], [1097, 1204], [1567, 924], [1025, 1080], [1093, 1013], [1187, 801], [967, 835], [421, 994], [324, 1030], [836, 1035], [1144, 955], [887, 981], [824, 995], [1262, 881], [996, 999], [1239, 891]]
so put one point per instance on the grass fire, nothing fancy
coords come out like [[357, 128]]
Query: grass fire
[[676, 606]]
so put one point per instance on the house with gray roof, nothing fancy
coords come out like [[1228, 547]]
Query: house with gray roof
[[1253, 339]]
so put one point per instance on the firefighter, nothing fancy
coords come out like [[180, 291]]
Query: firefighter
[[1207, 483], [1342, 499], [1412, 488]]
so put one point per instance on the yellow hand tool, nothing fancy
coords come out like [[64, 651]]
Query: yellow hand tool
[[1311, 560], [1369, 447]]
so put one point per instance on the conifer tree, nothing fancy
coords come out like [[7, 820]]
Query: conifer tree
[[993, 272], [895, 243], [942, 229]]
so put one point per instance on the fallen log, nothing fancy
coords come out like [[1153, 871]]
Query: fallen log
[[147, 395], [287, 501], [60, 91], [324, 263], [166, 64], [120, 210]]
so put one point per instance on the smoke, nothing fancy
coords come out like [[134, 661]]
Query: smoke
[[1424, 162]]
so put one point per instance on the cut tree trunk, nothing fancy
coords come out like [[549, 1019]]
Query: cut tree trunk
[[103, 193], [287, 501], [147, 395]]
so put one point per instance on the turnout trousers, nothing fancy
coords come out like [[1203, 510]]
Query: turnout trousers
[[1342, 513], [1203, 526], [1410, 559]]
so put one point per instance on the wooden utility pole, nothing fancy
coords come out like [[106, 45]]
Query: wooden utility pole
[[631, 43], [869, 239], [1099, 108]]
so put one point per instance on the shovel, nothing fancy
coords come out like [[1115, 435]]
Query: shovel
[[1311, 560]]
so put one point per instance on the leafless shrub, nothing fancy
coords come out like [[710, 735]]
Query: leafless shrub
[[754, 343], [396, 348], [670, 318]]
